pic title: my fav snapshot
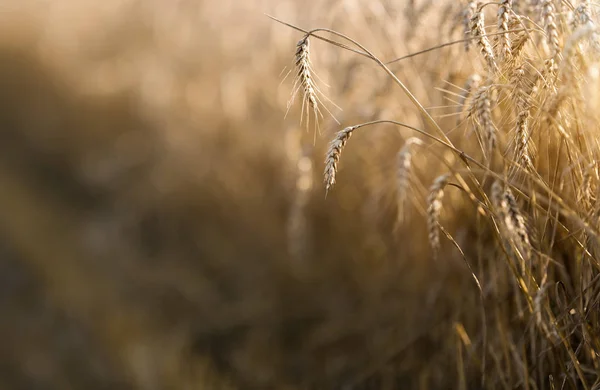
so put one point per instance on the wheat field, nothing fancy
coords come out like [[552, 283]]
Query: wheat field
[[329, 194]]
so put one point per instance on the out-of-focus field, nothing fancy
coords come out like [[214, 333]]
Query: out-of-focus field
[[152, 235], [145, 187]]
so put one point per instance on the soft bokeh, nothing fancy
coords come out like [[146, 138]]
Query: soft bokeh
[[163, 223]]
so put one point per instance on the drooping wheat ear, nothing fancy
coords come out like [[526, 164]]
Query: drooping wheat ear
[[573, 48], [538, 312], [582, 14], [512, 221], [478, 32], [472, 83], [434, 208], [553, 106], [297, 224], [333, 155], [304, 80], [518, 44], [549, 16], [403, 174], [522, 153], [504, 17], [467, 15], [588, 174], [546, 79], [518, 81], [481, 110], [517, 7]]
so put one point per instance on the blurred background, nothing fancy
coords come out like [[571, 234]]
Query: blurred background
[[163, 224]]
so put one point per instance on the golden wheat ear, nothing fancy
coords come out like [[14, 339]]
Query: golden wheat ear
[[478, 32], [333, 155], [305, 84], [549, 16], [403, 175], [504, 18], [468, 14], [513, 224], [434, 208], [481, 111]]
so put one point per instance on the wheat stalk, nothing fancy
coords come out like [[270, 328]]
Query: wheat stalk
[[297, 229]]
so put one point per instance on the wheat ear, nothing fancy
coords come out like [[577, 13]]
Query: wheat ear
[[478, 32], [582, 14], [513, 222], [518, 44], [304, 80], [482, 111], [333, 155], [522, 153], [550, 26], [468, 14], [403, 173], [504, 17], [434, 208], [472, 83]]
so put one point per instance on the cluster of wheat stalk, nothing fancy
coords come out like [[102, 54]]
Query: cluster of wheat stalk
[[530, 179]]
